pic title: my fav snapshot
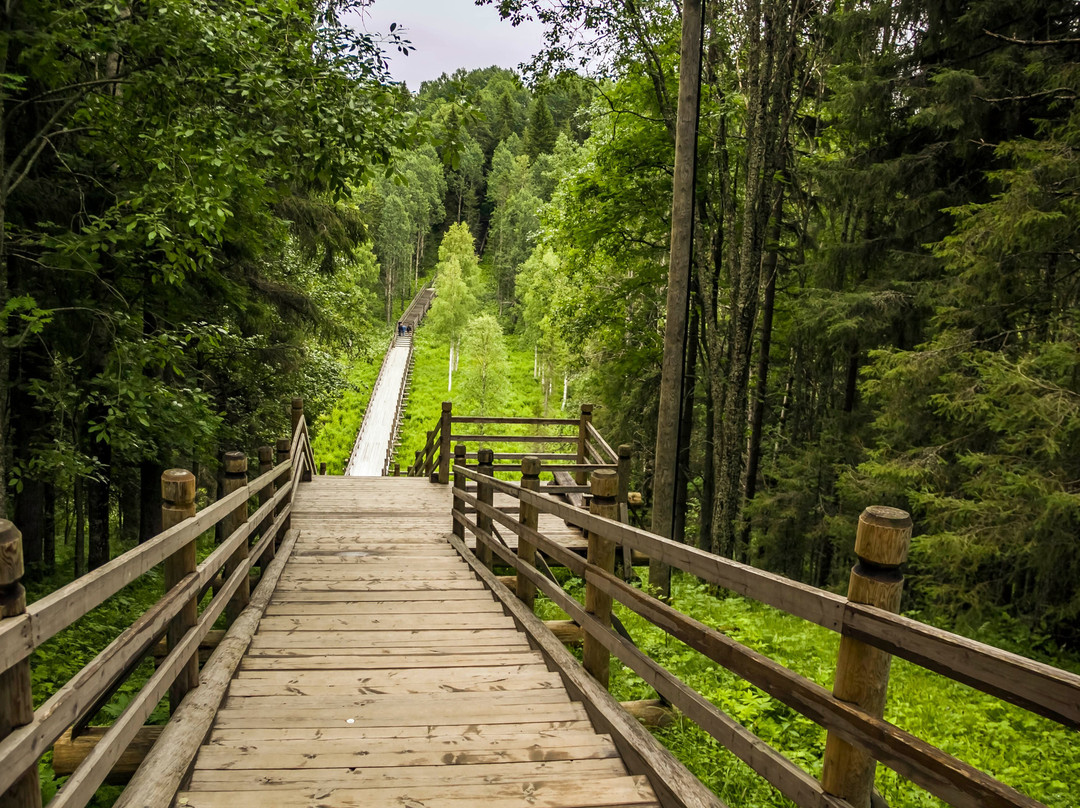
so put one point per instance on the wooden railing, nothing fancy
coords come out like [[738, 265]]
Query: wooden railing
[[245, 539], [586, 450], [858, 737]]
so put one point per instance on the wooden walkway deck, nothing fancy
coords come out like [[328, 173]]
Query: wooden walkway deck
[[384, 673]]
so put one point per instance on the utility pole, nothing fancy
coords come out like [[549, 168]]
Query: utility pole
[[668, 438]]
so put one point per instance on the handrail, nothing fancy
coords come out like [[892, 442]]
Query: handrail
[[435, 453], [1040, 688], [90, 687]]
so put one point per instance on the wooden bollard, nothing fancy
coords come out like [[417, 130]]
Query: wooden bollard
[[235, 477], [444, 442], [604, 485], [16, 695], [178, 504], [459, 485], [322, 469], [266, 464], [530, 517], [296, 412], [584, 419], [862, 671], [484, 494]]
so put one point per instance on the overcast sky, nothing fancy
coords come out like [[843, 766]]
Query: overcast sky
[[449, 34]]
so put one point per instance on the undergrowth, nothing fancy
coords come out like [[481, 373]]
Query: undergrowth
[[1034, 755]]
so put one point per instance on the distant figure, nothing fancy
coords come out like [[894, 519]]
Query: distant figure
[[400, 329]]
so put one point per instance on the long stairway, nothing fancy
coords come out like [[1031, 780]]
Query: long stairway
[[384, 673], [377, 429]]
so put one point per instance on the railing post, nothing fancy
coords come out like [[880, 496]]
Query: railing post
[[235, 477], [529, 516], [266, 463], [284, 446], [605, 488], [297, 413], [322, 469], [397, 469], [429, 454], [459, 485], [16, 696], [178, 504], [583, 435], [444, 443], [862, 671], [417, 465], [623, 470], [484, 494]]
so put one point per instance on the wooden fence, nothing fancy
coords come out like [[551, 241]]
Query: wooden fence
[[245, 539], [871, 632], [586, 450]]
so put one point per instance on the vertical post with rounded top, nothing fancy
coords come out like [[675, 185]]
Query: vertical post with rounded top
[[322, 469], [284, 446], [16, 696], [417, 465], [235, 477], [297, 413], [444, 442], [397, 469], [266, 463], [605, 488], [530, 518], [459, 485], [862, 671], [622, 498], [484, 494], [583, 435], [178, 504]]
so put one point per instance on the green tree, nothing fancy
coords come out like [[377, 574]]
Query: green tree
[[541, 133], [485, 374], [454, 300]]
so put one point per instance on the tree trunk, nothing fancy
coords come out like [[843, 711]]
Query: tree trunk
[[686, 429], [80, 528], [149, 500], [97, 504], [757, 417], [669, 417], [48, 542]]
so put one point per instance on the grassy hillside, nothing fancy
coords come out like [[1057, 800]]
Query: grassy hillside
[[523, 398], [336, 431], [1035, 755]]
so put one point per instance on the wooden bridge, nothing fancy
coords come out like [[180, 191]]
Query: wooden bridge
[[378, 660]]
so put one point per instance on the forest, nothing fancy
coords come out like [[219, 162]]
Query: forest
[[209, 208]]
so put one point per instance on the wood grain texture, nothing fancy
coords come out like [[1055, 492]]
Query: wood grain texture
[[383, 671]]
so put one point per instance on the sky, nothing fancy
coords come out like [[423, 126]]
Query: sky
[[449, 34]]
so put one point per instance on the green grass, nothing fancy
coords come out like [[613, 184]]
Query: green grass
[[524, 396], [336, 431], [1034, 755]]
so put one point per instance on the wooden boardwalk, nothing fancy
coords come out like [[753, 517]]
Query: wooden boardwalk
[[384, 673]]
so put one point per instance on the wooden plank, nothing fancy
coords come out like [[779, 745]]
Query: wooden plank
[[212, 757], [414, 716], [377, 596], [538, 729], [375, 777], [436, 659], [446, 684], [380, 586], [402, 623], [591, 793], [370, 706], [270, 640], [378, 607], [355, 745]]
